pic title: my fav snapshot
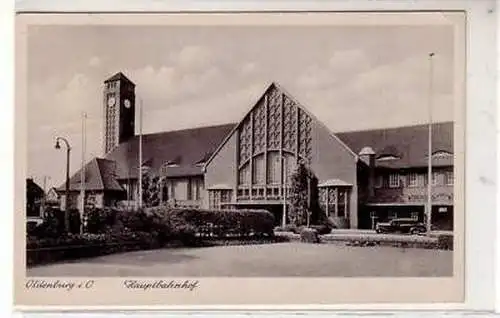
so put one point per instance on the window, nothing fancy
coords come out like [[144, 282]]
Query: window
[[273, 170], [412, 180], [342, 203], [394, 180], [435, 178], [414, 216], [449, 178], [259, 170], [334, 201], [244, 175], [217, 198], [379, 181]]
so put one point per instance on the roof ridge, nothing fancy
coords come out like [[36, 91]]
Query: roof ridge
[[394, 127], [187, 129]]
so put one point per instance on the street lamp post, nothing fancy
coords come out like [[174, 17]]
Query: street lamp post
[[66, 203]]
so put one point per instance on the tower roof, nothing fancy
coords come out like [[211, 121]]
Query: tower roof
[[119, 77]]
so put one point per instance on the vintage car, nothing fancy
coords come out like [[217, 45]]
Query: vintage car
[[408, 225]]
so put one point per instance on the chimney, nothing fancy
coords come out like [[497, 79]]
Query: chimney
[[367, 155]]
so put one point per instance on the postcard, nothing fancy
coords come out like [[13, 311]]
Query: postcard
[[239, 158]]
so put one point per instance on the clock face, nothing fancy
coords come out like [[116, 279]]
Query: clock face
[[111, 101], [127, 103]]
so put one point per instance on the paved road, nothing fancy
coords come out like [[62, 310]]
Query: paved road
[[284, 259]]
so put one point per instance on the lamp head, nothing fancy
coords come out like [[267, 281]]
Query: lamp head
[[57, 146]]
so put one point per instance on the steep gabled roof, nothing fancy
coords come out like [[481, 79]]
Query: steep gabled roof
[[185, 148], [407, 144], [281, 90], [99, 175]]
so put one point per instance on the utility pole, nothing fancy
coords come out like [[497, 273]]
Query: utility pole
[[82, 172], [140, 153], [429, 156]]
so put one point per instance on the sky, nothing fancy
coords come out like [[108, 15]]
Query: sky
[[350, 77]]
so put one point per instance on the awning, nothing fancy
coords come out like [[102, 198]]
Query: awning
[[335, 183], [220, 187]]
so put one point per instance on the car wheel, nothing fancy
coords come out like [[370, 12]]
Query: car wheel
[[415, 231]]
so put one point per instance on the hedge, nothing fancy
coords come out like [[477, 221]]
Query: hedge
[[114, 230], [216, 223], [74, 246]]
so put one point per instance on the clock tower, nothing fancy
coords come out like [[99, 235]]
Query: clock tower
[[119, 111]]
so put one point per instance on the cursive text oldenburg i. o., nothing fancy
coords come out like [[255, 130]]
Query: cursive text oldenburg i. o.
[[58, 284]]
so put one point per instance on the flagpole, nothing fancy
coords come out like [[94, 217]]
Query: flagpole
[[283, 167], [140, 153], [429, 156], [82, 170]]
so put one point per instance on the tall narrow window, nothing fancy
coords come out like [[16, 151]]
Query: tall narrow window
[[435, 178], [413, 180], [273, 170], [259, 170], [379, 181], [449, 178], [394, 180], [245, 175]]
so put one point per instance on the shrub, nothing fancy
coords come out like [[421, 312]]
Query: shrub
[[221, 223], [74, 221], [322, 229], [71, 246], [309, 235]]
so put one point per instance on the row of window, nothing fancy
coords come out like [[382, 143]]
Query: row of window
[[396, 180], [218, 198], [111, 85], [334, 201], [270, 174], [186, 189]]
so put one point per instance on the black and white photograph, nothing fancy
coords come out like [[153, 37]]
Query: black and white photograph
[[239, 150]]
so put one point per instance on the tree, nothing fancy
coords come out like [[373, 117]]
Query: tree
[[304, 203], [150, 189]]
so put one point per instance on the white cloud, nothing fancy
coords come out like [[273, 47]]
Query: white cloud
[[338, 68], [192, 57], [219, 109], [248, 68], [387, 95], [95, 61], [349, 61]]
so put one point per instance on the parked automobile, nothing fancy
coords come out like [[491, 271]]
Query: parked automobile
[[401, 225]]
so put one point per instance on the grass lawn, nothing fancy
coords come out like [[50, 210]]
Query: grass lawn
[[271, 260]]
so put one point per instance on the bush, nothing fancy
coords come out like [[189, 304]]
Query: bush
[[309, 235], [71, 246], [218, 223], [74, 221], [322, 229], [445, 241]]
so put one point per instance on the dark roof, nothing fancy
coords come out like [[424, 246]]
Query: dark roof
[[409, 144], [99, 175], [33, 188], [117, 77], [183, 149]]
